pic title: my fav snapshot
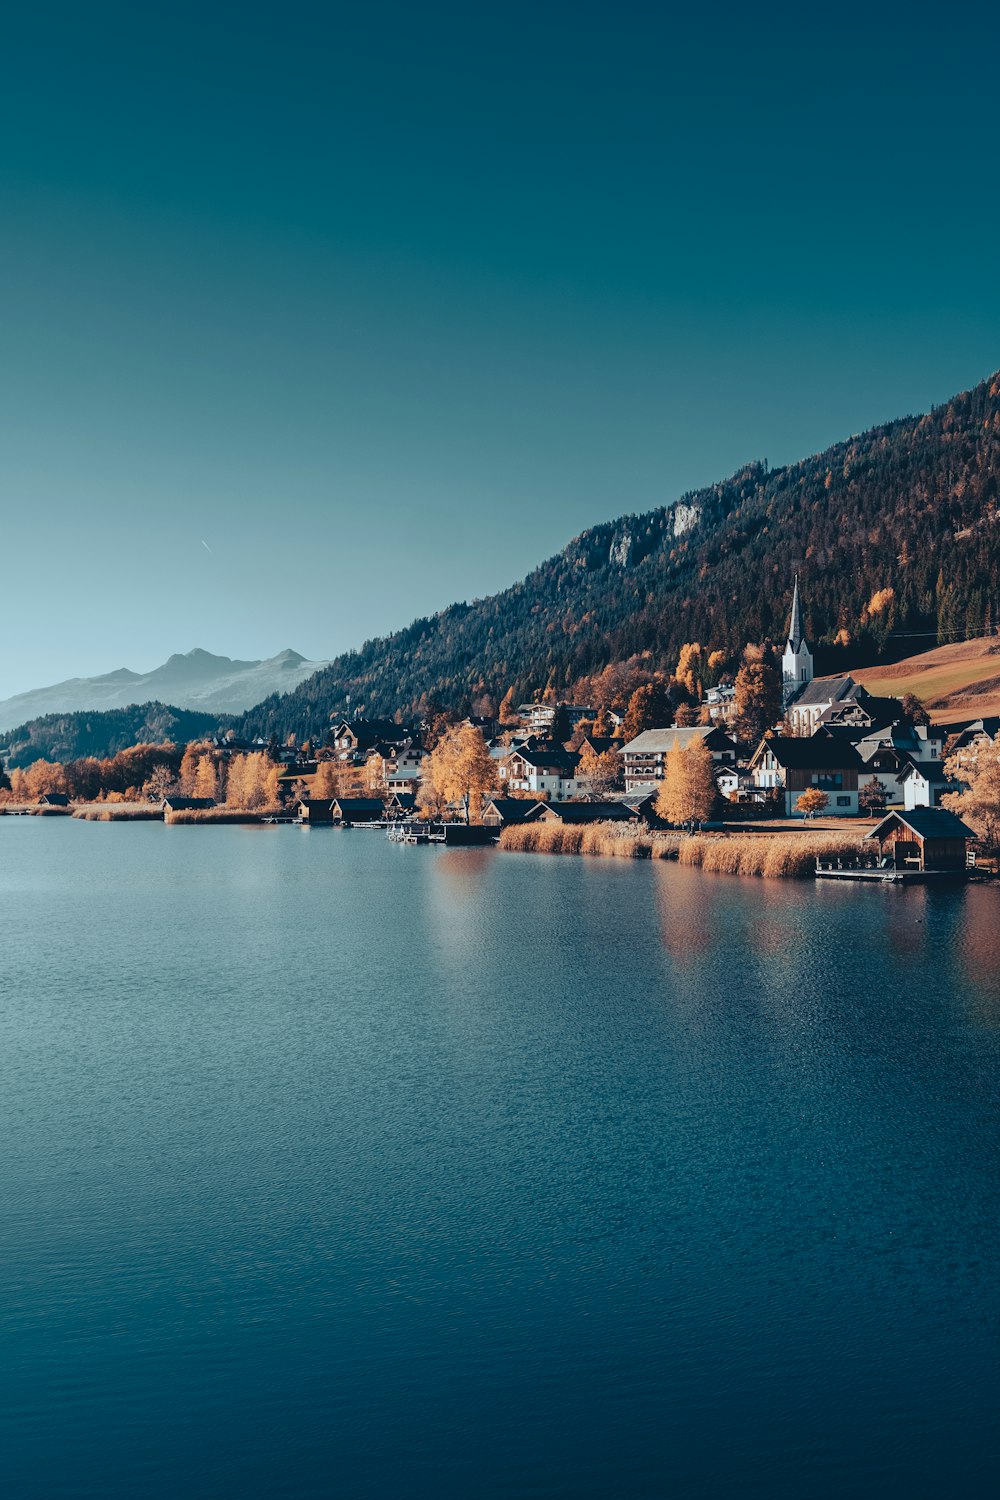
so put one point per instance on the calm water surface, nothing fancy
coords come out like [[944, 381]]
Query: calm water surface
[[336, 1169]]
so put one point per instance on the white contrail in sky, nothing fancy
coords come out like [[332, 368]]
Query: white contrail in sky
[[206, 546]]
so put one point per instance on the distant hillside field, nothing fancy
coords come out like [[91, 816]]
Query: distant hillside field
[[961, 681]]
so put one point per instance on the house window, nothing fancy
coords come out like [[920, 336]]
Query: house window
[[843, 801], [828, 781]]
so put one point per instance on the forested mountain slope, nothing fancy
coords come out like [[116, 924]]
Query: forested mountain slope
[[911, 506], [66, 737]]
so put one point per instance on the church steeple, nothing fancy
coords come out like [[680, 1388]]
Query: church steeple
[[795, 623], [797, 662]]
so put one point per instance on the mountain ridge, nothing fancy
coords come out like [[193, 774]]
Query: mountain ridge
[[893, 530], [194, 680]]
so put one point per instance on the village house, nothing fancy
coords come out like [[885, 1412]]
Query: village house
[[981, 734], [582, 812], [924, 839], [925, 785], [792, 765], [314, 810], [348, 810], [400, 805], [720, 702], [187, 804], [542, 768], [499, 811], [53, 799], [390, 765], [538, 718], [645, 756], [599, 744], [351, 737]]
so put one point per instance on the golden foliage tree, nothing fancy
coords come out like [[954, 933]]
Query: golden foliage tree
[[688, 791], [977, 771], [648, 708], [206, 779], [252, 783], [812, 801], [757, 700], [691, 667], [458, 769], [188, 773], [599, 772]]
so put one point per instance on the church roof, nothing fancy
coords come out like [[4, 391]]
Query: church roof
[[824, 690]]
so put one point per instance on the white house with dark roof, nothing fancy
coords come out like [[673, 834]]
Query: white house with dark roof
[[543, 768], [924, 784]]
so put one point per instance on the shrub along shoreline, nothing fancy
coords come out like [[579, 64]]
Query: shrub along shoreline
[[783, 855]]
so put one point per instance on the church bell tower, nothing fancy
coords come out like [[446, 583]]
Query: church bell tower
[[797, 662]]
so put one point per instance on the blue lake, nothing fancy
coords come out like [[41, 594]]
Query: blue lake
[[331, 1168]]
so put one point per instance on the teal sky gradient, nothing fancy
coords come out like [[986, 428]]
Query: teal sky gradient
[[386, 303]]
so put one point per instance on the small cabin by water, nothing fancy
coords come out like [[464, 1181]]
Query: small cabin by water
[[924, 839]]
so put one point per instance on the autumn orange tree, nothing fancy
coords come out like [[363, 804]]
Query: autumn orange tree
[[757, 700], [977, 773], [458, 769], [812, 801], [252, 783], [600, 771], [648, 708], [691, 668], [688, 790]]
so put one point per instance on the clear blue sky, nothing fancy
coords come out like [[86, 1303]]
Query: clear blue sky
[[385, 303]]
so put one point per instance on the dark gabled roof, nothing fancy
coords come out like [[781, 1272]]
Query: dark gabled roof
[[927, 823], [187, 804], [53, 799], [827, 690], [601, 744], [316, 804], [548, 753], [592, 812], [512, 809], [820, 752], [371, 731]]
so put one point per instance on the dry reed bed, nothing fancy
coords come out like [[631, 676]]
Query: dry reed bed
[[99, 812], [216, 815], [786, 855], [609, 840]]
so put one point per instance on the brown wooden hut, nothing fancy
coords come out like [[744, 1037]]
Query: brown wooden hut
[[924, 838]]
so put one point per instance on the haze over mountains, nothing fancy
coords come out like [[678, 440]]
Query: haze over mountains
[[194, 680]]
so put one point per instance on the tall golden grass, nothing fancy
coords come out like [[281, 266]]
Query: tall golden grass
[[119, 812], [791, 856], [609, 840], [788, 855], [214, 815]]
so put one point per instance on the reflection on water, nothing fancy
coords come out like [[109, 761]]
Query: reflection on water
[[331, 1167]]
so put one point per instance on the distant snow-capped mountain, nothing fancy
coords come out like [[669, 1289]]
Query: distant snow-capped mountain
[[197, 679]]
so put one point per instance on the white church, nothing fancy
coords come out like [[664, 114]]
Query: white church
[[797, 662]]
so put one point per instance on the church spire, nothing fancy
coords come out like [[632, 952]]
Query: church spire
[[795, 623], [797, 662]]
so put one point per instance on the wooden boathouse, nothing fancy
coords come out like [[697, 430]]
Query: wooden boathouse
[[924, 839], [919, 844]]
